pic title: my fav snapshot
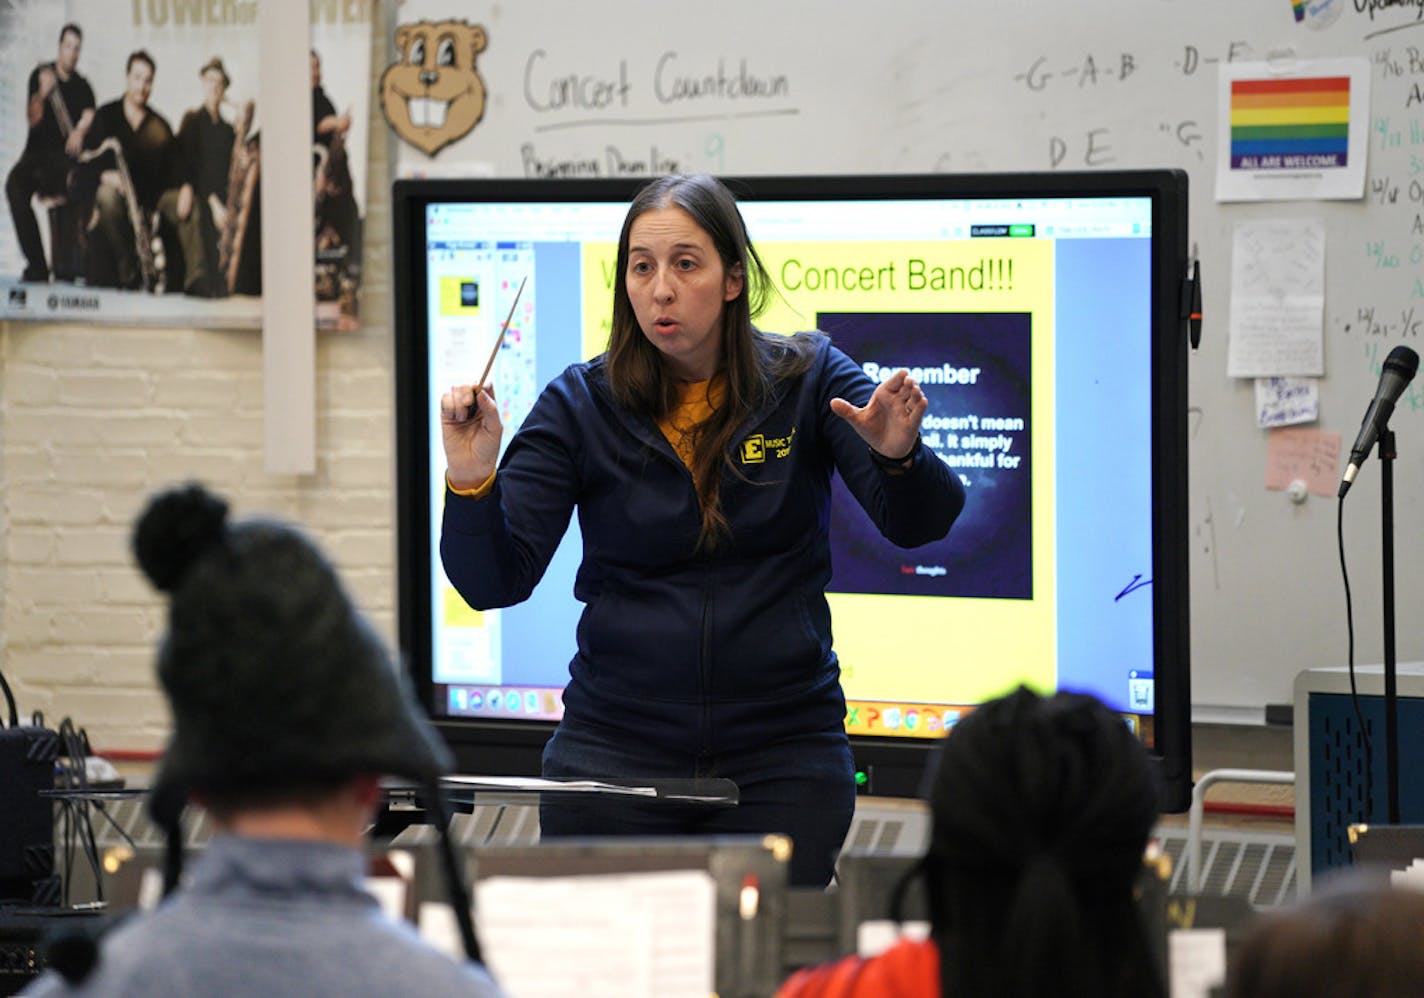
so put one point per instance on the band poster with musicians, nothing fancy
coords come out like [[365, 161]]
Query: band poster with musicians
[[130, 149]]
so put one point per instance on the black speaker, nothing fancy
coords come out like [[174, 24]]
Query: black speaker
[[24, 935], [27, 759]]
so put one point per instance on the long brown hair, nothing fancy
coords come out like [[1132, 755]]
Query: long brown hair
[[751, 360]]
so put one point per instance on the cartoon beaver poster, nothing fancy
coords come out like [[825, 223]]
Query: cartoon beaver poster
[[432, 95]]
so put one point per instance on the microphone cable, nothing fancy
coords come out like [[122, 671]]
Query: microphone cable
[[1350, 661]]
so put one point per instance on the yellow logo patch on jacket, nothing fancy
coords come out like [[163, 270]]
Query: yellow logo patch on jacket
[[758, 447]]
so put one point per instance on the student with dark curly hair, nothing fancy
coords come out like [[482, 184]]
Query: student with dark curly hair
[[1042, 808]]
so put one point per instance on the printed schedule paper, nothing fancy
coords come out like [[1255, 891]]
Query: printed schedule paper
[[1277, 299]]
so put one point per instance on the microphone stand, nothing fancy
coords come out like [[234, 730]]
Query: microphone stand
[[1391, 692]]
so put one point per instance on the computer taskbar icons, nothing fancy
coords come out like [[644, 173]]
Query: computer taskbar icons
[[524, 703]]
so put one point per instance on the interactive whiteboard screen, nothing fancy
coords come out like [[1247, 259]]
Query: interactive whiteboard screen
[[1040, 313]]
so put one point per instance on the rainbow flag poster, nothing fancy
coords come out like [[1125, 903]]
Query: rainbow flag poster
[[1296, 133], [1290, 124]]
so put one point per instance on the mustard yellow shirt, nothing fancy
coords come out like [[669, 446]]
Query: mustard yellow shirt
[[696, 401]]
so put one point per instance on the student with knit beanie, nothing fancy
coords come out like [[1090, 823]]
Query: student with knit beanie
[[287, 709]]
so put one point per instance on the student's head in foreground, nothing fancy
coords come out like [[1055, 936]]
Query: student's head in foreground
[[1042, 809], [281, 693], [286, 709], [1357, 937]]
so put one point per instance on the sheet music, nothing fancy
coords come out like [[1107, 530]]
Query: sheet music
[[618, 935], [1197, 961]]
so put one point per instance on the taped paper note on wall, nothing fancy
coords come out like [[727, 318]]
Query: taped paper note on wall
[[1277, 299], [1313, 456], [1285, 401]]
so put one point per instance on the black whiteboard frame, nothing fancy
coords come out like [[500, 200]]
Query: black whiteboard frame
[[894, 766]]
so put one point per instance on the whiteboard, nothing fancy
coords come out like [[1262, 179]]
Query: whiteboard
[[736, 87]]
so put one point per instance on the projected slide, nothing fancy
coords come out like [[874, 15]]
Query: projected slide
[[974, 317], [974, 370]]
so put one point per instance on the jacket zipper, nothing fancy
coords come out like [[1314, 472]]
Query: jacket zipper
[[704, 654], [704, 665]]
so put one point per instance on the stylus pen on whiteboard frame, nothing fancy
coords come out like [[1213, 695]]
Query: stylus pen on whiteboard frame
[[500, 338]]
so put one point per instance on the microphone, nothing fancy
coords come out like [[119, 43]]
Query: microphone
[[1399, 368]]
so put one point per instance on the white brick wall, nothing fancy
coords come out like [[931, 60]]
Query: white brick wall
[[94, 419]]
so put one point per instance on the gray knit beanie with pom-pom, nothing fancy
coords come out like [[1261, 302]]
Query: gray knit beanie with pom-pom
[[274, 678], [276, 682]]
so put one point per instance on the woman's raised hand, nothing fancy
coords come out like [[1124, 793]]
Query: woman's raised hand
[[890, 421], [471, 431]]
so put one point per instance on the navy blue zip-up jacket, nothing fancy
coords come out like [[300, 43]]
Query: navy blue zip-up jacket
[[692, 652]]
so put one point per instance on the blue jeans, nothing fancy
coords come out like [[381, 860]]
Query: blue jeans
[[803, 787]]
